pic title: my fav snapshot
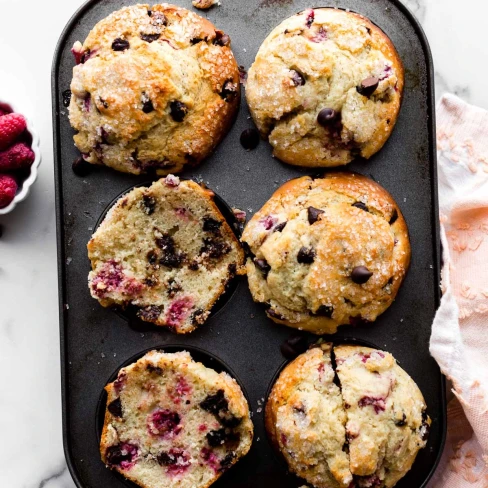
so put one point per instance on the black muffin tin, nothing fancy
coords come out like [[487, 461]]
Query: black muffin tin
[[95, 342]]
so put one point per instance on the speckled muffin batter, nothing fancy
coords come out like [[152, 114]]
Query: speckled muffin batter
[[171, 422], [155, 89], [327, 251], [166, 250], [326, 87], [347, 417]]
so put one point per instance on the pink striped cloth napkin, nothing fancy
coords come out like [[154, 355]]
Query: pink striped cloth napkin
[[459, 341]]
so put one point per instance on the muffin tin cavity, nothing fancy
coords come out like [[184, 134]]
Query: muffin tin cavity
[[168, 424], [132, 314]]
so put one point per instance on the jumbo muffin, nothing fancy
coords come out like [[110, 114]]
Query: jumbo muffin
[[166, 250], [325, 88], [172, 422], [347, 417], [327, 251], [155, 89]]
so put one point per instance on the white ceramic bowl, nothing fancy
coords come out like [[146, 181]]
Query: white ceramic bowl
[[24, 187]]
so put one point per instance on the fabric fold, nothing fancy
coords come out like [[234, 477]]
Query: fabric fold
[[459, 340]]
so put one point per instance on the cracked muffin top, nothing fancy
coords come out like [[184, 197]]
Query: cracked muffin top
[[154, 89], [172, 422], [347, 417], [326, 252], [165, 250], [326, 87]]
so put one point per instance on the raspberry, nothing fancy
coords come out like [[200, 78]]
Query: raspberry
[[4, 109], [19, 156], [8, 188], [11, 127]]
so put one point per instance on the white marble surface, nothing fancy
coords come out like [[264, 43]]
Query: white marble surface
[[31, 453]]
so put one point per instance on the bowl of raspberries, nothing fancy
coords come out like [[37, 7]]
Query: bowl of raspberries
[[20, 156]]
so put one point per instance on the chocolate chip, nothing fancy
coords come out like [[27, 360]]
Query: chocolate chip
[[227, 462], [172, 260], [195, 40], [115, 408], [215, 403], [402, 422], [174, 457], [152, 257], [361, 205], [249, 139], [154, 369], [368, 86], [313, 214], [294, 346], [173, 287], [216, 438], [327, 116], [297, 78], [214, 248], [178, 110], [149, 204], [360, 275], [394, 216], [116, 455], [150, 37], [166, 459], [193, 265], [273, 313], [150, 282], [198, 317], [147, 106], [211, 225], [280, 227], [262, 265], [66, 98], [221, 39], [306, 255], [229, 90], [149, 12], [229, 420], [324, 311], [81, 167], [166, 243], [149, 314], [120, 44], [425, 430]]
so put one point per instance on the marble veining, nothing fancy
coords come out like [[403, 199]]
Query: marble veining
[[31, 452]]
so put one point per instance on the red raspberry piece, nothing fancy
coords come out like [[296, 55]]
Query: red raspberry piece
[[19, 156], [8, 188], [11, 126]]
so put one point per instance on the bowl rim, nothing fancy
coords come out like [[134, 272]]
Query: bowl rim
[[35, 146]]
